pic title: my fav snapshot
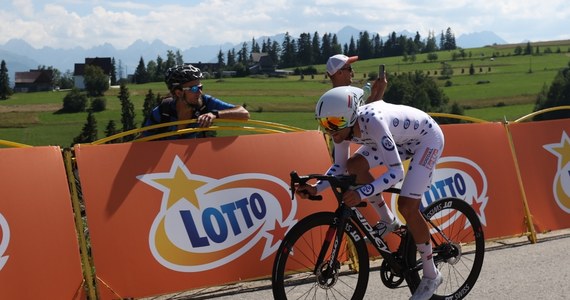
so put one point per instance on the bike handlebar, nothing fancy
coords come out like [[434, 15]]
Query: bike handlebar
[[342, 182]]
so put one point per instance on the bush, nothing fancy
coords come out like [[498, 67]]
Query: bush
[[98, 104], [74, 101]]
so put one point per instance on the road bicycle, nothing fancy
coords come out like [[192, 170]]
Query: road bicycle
[[325, 255]]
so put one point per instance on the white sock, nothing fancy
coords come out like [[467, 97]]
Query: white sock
[[381, 208], [425, 251]]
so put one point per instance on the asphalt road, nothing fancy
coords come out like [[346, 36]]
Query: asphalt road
[[513, 269]]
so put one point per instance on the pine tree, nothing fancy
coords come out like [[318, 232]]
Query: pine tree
[[316, 45], [365, 48], [179, 59], [141, 74], [110, 130], [127, 111], [89, 132], [5, 90], [304, 50], [170, 60], [148, 105], [113, 72]]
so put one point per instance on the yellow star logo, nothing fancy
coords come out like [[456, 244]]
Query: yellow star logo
[[176, 184], [180, 187], [561, 150]]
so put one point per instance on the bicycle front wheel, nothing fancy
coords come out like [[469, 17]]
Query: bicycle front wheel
[[297, 274], [458, 247]]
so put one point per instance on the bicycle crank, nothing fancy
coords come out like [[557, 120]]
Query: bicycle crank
[[390, 278]]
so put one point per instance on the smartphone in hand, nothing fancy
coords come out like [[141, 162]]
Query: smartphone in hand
[[381, 70]]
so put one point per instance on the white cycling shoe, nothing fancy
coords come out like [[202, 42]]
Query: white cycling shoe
[[383, 228], [427, 287]]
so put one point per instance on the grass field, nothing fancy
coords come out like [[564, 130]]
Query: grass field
[[513, 84]]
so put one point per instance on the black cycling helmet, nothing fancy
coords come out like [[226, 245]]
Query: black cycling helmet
[[181, 74]]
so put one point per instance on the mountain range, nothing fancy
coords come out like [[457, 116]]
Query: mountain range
[[21, 56]]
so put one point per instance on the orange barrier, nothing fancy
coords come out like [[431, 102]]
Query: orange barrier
[[477, 166], [169, 216], [543, 150], [39, 257]]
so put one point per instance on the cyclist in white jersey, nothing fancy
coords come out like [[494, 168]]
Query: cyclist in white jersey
[[388, 134]]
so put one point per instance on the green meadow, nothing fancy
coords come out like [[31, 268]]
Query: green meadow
[[504, 87]]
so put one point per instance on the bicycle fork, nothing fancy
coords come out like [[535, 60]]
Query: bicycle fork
[[333, 236]]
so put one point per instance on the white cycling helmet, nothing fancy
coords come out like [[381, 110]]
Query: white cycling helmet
[[336, 109]]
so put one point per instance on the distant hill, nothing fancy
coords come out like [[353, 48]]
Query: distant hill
[[20, 56], [478, 39]]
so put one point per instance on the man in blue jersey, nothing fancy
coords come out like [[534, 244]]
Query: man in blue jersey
[[186, 101]]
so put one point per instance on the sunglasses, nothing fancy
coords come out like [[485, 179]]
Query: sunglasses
[[332, 124], [349, 68], [194, 89]]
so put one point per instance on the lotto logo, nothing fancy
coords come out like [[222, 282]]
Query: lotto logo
[[205, 223], [5, 234]]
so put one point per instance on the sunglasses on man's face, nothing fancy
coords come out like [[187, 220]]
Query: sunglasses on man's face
[[194, 89], [332, 124]]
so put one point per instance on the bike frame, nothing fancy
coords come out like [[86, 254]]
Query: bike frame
[[363, 229], [344, 215]]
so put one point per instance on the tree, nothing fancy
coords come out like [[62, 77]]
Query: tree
[[242, 54], [528, 49], [254, 46], [113, 72], [431, 45], [89, 132], [557, 94], [127, 111], [231, 58], [351, 48], [417, 90], [419, 45], [316, 52], [74, 101], [274, 51], [448, 40], [98, 104], [471, 70], [365, 49], [170, 60], [151, 68], [5, 90], [66, 81], [111, 130], [432, 56], [96, 82], [220, 60], [148, 105], [446, 70], [159, 74], [120, 70], [141, 74], [288, 53], [305, 50], [179, 59]]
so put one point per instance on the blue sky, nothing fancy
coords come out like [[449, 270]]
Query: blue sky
[[185, 24]]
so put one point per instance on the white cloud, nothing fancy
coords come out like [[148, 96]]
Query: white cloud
[[184, 24]]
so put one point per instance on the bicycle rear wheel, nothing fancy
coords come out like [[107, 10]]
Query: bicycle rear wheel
[[295, 271], [458, 247]]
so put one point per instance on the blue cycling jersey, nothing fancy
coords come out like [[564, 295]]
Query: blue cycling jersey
[[166, 112]]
